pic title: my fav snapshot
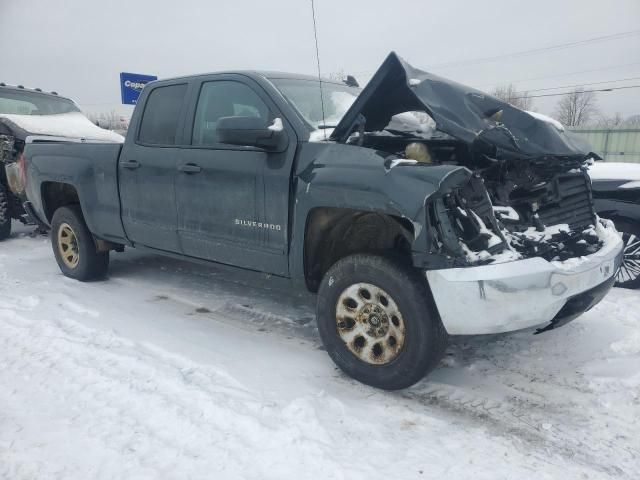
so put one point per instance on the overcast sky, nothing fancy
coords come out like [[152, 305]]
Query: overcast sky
[[78, 47]]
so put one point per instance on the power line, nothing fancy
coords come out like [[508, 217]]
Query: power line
[[579, 85], [535, 51], [568, 74], [523, 53], [581, 91]]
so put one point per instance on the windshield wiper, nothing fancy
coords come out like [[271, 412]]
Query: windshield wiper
[[323, 127]]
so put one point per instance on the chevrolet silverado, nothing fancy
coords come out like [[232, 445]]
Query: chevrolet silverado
[[415, 208]]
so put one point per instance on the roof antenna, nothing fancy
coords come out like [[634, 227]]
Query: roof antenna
[[315, 33]]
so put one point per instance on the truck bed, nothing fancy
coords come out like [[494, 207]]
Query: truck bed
[[91, 167]]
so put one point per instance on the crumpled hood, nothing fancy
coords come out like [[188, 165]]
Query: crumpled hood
[[71, 125], [458, 110]]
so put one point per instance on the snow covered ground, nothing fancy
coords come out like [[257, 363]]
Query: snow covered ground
[[173, 370]]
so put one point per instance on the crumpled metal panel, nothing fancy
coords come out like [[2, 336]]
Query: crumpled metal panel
[[7, 144], [460, 111]]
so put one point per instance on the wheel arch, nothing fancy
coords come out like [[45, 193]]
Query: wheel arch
[[57, 194], [332, 233]]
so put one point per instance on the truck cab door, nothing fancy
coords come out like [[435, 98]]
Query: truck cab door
[[147, 169], [225, 211]]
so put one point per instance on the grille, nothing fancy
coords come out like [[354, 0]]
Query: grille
[[573, 204]]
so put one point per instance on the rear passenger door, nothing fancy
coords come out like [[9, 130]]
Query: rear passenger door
[[147, 169]]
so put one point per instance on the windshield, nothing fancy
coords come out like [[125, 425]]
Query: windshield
[[32, 103], [304, 96]]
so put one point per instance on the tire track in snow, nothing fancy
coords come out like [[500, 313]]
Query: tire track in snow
[[508, 384], [126, 372], [162, 415], [542, 424], [528, 423], [138, 388], [547, 428]]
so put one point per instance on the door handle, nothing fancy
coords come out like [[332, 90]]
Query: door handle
[[190, 168], [130, 164]]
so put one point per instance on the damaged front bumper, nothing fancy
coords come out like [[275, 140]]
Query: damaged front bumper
[[524, 293]]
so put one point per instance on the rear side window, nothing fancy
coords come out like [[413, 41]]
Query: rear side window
[[160, 119]]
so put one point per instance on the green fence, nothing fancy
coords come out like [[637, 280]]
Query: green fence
[[613, 144]]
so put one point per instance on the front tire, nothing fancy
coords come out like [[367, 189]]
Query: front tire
[[74, 246], [5, 213], [629, 274], [378, 322]]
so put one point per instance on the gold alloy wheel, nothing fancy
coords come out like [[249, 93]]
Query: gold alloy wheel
[[370, 324], [68, 246]]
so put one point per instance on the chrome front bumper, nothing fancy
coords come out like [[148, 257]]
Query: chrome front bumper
[[521, 294]]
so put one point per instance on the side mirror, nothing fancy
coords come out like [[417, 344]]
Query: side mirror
[[252, 132]]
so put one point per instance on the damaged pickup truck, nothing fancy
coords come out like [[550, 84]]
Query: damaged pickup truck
[[416, 208]]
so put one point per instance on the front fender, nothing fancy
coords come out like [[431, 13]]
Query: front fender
[[352, 177]]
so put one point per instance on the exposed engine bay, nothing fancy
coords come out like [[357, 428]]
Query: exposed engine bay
[[539, 207], [530, 194]]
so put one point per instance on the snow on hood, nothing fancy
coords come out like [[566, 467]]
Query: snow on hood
[[615, 171], [486, 123], [72, 125], [547, 119]]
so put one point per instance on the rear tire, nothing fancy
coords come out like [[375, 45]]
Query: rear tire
[[368, 302], [74, 246], [5, 213], [629, 274]]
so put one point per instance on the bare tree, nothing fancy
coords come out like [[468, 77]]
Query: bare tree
[[509, 94], [338, 75], [576, 108], [614, 120], [633, 121], [93, 117], [111, 120]]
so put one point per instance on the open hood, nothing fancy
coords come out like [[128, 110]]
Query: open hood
[[487, 124]]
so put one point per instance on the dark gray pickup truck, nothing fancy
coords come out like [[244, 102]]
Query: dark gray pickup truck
[[416, 208]]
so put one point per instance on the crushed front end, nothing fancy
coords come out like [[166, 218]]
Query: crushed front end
[[522, 243], [527, 292], [501, 277]]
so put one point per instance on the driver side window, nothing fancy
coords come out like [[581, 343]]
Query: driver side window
[[224, 98]]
